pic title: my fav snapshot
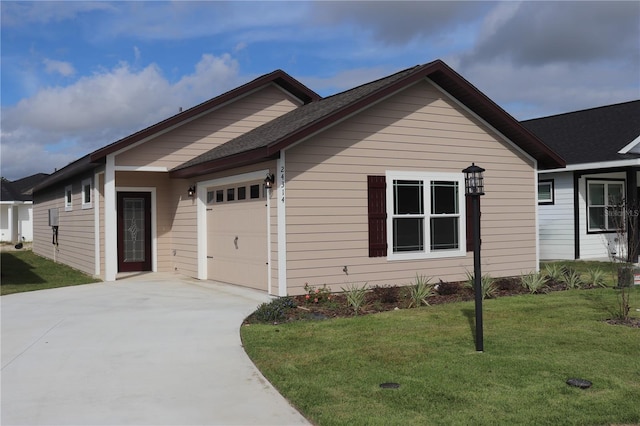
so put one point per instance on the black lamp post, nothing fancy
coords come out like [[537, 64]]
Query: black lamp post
[[474, 188]]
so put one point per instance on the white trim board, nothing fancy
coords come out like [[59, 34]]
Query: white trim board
[[594, 166]]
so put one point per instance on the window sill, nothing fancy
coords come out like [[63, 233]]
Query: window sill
[[426, 256]]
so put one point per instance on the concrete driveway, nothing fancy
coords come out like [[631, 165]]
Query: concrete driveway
[[149, 350]]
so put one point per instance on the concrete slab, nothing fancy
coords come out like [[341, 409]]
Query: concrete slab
[[147, 350]]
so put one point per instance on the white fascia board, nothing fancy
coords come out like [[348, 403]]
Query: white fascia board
[[477, 117], [289, 94], [631, 147], [592, 166]]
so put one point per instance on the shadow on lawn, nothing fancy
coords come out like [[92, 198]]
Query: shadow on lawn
[[14, 271], [470, 314]]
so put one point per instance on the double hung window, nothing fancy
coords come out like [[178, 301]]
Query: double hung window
[[425, 215], [604, 205]]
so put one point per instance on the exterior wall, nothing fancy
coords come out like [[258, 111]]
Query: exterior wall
[[25, 222], [76, 230], [16, 222], [205, 133], [419, 129], [556, 230]]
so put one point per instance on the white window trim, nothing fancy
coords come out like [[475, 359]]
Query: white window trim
[[606, 192], [68, 201], [88, 205], [426, 177]]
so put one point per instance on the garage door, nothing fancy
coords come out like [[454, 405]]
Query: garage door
[[237, 235]]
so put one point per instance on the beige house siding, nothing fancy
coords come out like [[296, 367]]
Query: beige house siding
[[184, 246], [205, 133], [419, 129], [76, 230]]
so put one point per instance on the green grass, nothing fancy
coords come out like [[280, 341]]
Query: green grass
[[25, 271], [331, 370]]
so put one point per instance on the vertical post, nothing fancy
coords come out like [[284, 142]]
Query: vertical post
[[477, 273]]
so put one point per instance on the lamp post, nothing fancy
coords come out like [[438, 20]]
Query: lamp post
[[474, 188]]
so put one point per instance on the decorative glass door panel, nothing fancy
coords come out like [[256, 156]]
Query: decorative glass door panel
[[134, 231]]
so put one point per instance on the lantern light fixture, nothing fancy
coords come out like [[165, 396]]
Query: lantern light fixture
[[269, 180]]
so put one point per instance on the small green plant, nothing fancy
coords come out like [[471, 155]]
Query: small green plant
[[534, 282], [572, 279], [317, 295], [420, 290], [595, 277], [554, 272], [355, 296], [489, 289], [274, 311]]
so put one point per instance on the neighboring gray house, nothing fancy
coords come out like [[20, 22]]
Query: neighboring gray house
[[16, 210], [602, 149]]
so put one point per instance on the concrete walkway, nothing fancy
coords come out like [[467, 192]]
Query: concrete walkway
[[148, 350]]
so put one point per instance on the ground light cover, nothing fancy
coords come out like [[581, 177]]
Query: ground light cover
[[331, 370]]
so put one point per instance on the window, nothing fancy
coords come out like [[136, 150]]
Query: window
[[219, 196], [68, 199], [231, 194], [254, 191], [425, 218], [545, 192], [86, 194], [210, 197], [604, 205], [242, 192]]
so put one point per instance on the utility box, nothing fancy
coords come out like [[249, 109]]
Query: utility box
[[53, 217]]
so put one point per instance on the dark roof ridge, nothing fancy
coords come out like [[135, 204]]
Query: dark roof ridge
[[581, 110]]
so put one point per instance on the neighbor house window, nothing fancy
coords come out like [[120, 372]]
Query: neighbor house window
[[545, 192], [68, 198], [604, 205], [424, 215], [86, 194]]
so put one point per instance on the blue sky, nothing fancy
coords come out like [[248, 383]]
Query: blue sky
[[78, 75]]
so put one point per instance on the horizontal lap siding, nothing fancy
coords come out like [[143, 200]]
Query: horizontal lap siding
[[557, 238], [184, 242], [205, 133], [76, 230], [418, 129]]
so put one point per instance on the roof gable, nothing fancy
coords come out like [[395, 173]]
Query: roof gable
[[267, 140], [593, 135], [21, 189]]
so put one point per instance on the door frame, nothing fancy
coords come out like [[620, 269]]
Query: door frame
[[153, 210]]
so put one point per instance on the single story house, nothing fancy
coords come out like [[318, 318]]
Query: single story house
[[271, 186], [16, 210], [576, 204]]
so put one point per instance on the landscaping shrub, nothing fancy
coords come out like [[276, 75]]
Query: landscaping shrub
[[420, 290], [595, 277], [274, 311], [446, 288], [355, 296], [489, 289], [317, 295], [535, 282]]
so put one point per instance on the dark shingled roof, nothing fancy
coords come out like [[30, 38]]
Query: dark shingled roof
[[21, 189], [592, 135], [267, 140]]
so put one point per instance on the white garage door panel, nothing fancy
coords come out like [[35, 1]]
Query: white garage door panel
[[237, 243]]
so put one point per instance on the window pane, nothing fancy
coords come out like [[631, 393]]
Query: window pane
[[615, 194], [544, 192], [444, 197], [242, 193], [596, 194], [133, 220], [87, 194], [444, 233], [254, 191], [231, 194], [209, 197], [596, 218], [408, 197], [219, 196], [615, 217], [68, 197], [408, 234]]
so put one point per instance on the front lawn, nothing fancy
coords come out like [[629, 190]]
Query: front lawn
[[26, 271], [331, 370]]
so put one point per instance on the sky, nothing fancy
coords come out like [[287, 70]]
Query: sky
[[76, 76]]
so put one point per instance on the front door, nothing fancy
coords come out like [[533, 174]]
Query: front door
[[134, 231]]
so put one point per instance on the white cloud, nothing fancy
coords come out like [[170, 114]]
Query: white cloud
[[63, 68], [60, 124]]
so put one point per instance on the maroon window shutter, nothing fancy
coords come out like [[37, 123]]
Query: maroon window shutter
[[377, 190]]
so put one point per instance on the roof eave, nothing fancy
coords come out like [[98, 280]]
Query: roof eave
[[222, 164]]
